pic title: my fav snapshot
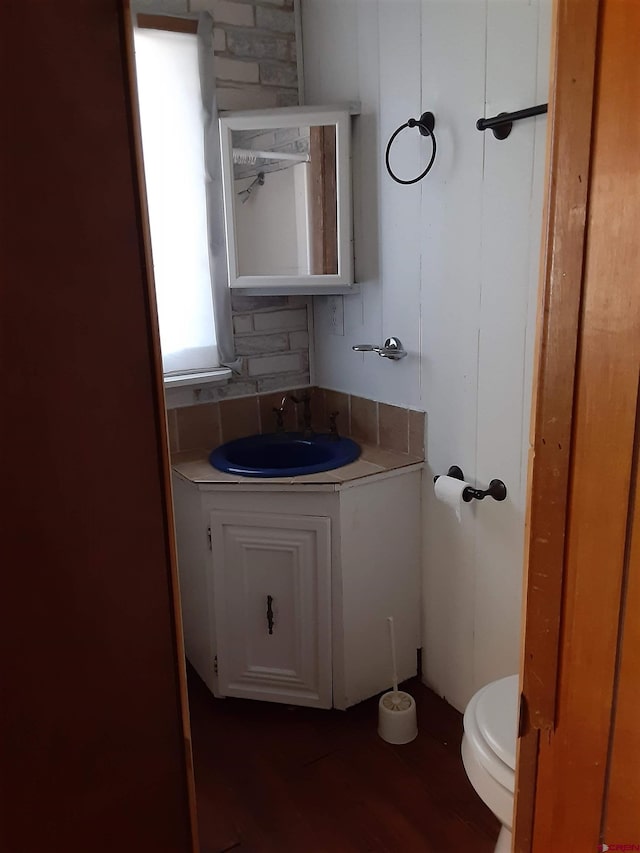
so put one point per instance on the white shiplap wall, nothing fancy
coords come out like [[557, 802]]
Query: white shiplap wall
[[450, 266]]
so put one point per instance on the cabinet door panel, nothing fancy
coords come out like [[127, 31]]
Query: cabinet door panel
[[272, 594]]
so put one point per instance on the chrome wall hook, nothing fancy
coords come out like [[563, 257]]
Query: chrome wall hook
[[392, 349]]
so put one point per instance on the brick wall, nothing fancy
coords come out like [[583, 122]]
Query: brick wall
[[256, 52], [271, 335], [256, 67]]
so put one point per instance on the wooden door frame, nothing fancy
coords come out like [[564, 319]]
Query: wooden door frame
[[574, 37], [133, 116], [559, 424]]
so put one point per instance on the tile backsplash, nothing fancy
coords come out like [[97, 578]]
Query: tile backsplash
[[207, 425]]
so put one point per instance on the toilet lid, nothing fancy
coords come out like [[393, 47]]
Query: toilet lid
[[497, 717]]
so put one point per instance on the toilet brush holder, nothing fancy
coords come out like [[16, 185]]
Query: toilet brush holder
[[397, 721]]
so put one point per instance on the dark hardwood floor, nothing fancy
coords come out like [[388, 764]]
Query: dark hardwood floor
[[276, 779]]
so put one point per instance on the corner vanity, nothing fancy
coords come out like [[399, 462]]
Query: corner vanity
[[286, 582]]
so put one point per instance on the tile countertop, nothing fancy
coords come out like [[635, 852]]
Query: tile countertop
[[194, 466]]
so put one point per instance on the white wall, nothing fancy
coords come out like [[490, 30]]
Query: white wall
[[267, 231], [450, 266]]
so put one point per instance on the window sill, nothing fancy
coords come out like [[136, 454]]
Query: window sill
[[205, 377]]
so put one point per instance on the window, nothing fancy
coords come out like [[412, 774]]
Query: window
[[169, 98]]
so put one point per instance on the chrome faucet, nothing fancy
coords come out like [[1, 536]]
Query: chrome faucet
[[279, 413], [334, 435], [306, 413]]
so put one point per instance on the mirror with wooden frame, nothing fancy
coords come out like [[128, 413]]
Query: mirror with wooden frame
[[287, 199]]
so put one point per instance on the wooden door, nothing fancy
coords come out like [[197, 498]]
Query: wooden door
[[578, 778], [272, 594], [94, 733]]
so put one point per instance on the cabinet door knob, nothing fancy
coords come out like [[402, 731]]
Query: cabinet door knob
[[270, 613]]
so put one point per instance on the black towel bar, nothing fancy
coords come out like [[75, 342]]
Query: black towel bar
[[502, 123]]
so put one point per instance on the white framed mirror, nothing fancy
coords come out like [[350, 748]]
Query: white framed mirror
[[286, 176]]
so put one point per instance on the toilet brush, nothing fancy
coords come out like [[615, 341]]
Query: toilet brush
[[396, 709]]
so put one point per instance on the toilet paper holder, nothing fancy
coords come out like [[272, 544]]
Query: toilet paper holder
[[497, 489]]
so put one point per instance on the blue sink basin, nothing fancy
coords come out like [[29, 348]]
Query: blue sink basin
[[283, 454]]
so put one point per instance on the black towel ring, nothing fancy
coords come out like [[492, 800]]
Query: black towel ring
[[425, 125]]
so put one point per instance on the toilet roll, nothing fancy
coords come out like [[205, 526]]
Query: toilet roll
[[449, 491]]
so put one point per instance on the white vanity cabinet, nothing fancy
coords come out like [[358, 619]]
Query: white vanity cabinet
[[286, 587], [272, 606]]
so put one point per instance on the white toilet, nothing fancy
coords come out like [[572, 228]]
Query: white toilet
[[489, 750]]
